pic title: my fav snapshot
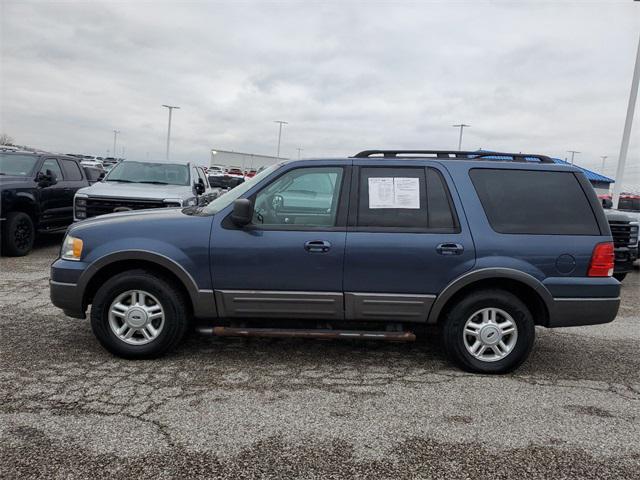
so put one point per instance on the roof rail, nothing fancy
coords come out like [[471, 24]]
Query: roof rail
[[456, 155]]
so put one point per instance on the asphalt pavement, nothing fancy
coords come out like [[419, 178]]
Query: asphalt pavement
[[288, 408]]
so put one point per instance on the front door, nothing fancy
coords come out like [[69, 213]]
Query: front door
[[407, 240], [288, 262]]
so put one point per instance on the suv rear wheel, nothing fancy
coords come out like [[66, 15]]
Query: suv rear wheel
[[17, 235], [137, 314], [489, 331]]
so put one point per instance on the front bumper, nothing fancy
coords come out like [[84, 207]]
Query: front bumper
[[624, 258], [63, 287], [67, 297]]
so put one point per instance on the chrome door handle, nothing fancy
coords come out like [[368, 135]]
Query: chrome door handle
[[450, 249], [317, 246]]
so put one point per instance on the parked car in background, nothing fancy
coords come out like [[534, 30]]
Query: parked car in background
[[250, 173], [36, 195], [624, 228], [372, 246], [221, 178], [134, 185]]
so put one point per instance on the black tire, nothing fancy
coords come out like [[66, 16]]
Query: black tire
[[172, 300], [620, 276], [18, 234], [458, 315]]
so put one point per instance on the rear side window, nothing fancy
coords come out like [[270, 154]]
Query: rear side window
[[71, 170], [534, 202], [411, 198], [384, 203]]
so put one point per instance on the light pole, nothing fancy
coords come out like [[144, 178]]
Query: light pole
[[281, 122], [572, 152], [603, 157], [170, 107], [299, 152], [626, 134], [461, 126], [115, 135]]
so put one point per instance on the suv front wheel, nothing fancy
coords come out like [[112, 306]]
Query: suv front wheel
[[138, 314], [489, 331]]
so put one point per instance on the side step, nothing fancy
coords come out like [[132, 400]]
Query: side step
[[325, 334]]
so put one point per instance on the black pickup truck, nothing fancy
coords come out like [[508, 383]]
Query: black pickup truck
[[36, 195]]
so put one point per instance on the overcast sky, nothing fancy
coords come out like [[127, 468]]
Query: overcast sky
[[533, 76]]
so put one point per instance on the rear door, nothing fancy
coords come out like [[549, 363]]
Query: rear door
[[53, 198], [73, 181], [407, 239], [288, 263]]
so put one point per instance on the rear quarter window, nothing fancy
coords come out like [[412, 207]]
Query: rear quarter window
[[534, 202]]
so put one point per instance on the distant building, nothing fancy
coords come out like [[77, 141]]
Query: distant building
[[245, 161], [600, 183]]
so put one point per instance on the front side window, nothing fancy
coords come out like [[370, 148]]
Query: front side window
[[534, 202], [301, 197], [51, 164]]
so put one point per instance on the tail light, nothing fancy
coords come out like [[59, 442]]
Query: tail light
[[602, 260]]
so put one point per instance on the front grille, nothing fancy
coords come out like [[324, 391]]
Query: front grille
[[621, 232], [102, 206]]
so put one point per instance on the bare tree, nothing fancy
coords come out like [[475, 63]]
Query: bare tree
[[6, 139]]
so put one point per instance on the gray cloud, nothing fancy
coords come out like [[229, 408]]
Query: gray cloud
[[538, 76]]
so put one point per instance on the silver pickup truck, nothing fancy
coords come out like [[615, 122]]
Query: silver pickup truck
[[132, 185]]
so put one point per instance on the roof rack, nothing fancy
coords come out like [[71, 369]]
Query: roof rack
[[456, 155]]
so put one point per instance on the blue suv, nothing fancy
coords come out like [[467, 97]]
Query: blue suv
[[484, 245]]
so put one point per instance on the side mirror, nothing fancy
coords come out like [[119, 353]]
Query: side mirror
[[606, 203], [53, 178], [101, 176], [242, 212], [199, 186]]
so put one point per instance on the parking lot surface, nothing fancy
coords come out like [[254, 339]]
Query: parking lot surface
[[267, 408]]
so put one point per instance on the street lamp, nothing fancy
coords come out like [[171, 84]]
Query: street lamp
[[281, 122], [115, 135], [572, 152], [170, 107], [461, 126], [626, 133]]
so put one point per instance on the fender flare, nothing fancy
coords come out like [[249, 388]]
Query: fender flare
[[202, 300], [488, 273]]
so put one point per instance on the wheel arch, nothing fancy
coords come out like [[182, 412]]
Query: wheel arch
[[525, 286], [26, 203], [201, 302]]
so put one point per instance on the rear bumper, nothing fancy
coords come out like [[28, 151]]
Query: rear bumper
[[573, 312]]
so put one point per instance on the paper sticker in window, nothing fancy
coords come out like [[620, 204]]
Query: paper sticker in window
[[396, 192]]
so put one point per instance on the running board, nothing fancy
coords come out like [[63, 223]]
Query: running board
[[324, 334]]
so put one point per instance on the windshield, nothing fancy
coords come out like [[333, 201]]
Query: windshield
[[20, 165], [155, 173], [228, 198]]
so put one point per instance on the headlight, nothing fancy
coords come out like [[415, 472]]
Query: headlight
[[189, 202], [80, 207], [71, 248]]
